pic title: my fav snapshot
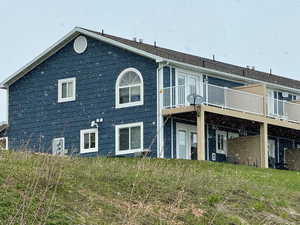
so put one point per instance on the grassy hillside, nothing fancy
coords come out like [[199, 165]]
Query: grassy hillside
[[37, 189]]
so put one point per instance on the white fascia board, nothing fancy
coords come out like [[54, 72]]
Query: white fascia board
[[39, 59], [60, 44], [232, 76]]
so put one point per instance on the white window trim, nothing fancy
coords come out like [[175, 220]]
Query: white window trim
[[128, 125], [129, 104], [6, 142], [59, 88], [90, 150], [219, 151]]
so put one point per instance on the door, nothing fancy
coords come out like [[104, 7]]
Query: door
[[186, 141], [187, 83], [271, 153]]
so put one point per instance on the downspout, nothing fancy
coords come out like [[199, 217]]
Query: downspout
[[160, 121]]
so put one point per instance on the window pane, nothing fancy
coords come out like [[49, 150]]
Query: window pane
[[192, 85], [129, 78], [124, 139], [135, 94], [93, 140], [70, 89], [64, 90], [182, 145], [86, 141], [124, 95], [220, 142], [194, 139], [135, 137]]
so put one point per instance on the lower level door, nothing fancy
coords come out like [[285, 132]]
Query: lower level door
[[271, 153], [186, 141]]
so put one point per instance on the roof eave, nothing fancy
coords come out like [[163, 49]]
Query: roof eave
[[39, 59], [60, 44]]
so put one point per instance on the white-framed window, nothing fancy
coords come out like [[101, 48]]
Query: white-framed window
[[221, 142], [129, 88], [58, 146], [129, 138], [3, 143], [271, 148], [67, 90], [89, 140]]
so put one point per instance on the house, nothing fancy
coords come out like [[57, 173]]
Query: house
[[96, 94]]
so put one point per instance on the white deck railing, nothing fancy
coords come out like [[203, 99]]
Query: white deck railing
[[234, 99], [217, 96], [284, 110], [227, 98]]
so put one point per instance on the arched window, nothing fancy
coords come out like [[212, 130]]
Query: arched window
[[129, 88]]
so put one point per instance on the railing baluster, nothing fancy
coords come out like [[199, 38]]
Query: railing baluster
[[236, 100]]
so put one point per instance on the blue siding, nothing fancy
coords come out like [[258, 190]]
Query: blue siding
[[167, 138], [36, 117]]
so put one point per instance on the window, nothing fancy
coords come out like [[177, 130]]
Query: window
[[3, 143], [221, 143], [67, 90], [129, 89], [271, 148], [129, 138], [89, 140]]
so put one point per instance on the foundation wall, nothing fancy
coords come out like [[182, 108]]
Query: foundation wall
[[292, 159], [244, 150]]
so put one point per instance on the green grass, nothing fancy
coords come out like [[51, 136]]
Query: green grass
[[39, 189]]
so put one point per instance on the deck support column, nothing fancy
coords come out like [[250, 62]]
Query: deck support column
[[200, 134], [264, 156]]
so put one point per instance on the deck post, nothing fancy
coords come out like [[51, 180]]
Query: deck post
[[264, 156], [200, 133]]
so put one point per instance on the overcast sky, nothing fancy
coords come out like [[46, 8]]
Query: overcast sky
[[260, 33]]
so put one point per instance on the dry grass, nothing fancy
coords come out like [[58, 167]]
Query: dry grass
[[42, 189]]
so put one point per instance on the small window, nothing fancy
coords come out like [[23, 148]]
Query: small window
[[129, 88], [89, 140], [129, 138], [67, 90], [221, 142], [3, 143]]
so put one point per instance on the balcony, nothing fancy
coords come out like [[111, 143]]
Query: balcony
[[284, 110], [248, 99]]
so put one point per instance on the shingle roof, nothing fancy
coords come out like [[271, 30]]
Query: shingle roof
[[204, 62]]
